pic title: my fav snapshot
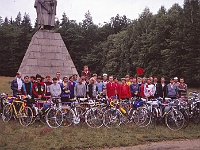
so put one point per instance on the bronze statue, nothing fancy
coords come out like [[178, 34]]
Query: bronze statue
[[46, 11]]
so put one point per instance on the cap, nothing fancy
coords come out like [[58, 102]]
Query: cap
[[48, 76], [123, 79], [175, 78], [105, 74], [99, 77]]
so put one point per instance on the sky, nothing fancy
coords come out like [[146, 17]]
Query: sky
[[101, 10]]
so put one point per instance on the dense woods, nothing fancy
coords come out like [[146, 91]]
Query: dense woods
[[164, 44]]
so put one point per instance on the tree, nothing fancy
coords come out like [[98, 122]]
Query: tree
[[1, 21], [18, 19], [119, 22]]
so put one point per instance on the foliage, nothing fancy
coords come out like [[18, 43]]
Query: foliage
[[164, 44]]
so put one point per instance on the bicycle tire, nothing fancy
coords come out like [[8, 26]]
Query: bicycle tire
[[7, 113], [54, 117], [196, 115], [79, 114], [94, 117], [35, 114], [26, 116], [112, 118], [186, 117], [142, 117], [68, 118], [174, 120]]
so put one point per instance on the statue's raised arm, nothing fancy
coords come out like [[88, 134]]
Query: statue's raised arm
[[46, 11]]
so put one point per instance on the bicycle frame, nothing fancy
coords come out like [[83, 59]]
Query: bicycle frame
[[16, 113]]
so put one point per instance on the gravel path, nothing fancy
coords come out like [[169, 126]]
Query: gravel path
[[164, 145]]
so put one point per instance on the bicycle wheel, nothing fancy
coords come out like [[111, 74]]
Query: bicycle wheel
[[186, 117], [112, 118], [68, 117], [7, 113], [54, 117], [196, 115], [174, 120], [94, 117], [132, 113], [26, 116], [35, 114], [79, 114], [142, 117]]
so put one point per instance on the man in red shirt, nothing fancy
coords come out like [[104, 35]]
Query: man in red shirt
[[117, 84], [124, 91], [110, 88], [86, 73]]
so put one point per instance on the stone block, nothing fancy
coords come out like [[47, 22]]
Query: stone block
[[44, 42], [30, 55], [38, 35], [57, 36], [35, 48], [32, 62], [35, 41]]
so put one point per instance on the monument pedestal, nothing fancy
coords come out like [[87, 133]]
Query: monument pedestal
[[46, 55]]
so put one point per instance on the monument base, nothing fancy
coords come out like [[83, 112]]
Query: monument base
[[46, 55]]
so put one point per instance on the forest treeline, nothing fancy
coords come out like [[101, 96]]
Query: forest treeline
[[164, 44]]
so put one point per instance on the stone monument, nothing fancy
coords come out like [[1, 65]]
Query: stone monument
[[47, 53]]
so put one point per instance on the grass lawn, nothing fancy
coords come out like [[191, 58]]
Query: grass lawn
[[5, 84], [39, 136]]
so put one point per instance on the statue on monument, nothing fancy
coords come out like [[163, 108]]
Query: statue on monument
[[46, 11]]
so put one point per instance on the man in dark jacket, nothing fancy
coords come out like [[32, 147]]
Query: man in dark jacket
[[27, 87], [16, 84]]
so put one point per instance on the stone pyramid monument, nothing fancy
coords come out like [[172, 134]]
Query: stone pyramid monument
[[47, 53]]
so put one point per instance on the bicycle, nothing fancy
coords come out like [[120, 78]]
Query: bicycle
[[140, 115], [54, 115], [94, 114], [115, 115], [23, 113], [37, 113], [173, 118]]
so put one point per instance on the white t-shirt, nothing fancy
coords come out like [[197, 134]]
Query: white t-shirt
[[19, 83]]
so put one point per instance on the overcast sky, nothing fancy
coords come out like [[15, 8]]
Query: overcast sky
[[101, 10]]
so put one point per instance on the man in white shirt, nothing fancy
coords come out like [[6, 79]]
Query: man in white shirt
[[59, 80], [149, 89]]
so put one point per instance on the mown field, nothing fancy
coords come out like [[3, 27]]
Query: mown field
[[39, 136], [5, 84]]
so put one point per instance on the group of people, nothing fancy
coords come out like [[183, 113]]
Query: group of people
[[90, 85]]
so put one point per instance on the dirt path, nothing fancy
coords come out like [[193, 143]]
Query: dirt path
[[165, 145]]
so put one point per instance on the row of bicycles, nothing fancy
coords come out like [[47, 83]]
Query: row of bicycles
[[174, 113]]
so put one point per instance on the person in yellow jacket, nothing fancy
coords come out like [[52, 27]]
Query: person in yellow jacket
[[127, 77]]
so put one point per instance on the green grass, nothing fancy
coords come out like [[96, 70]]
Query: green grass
[[5, 84], [38, 136]]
